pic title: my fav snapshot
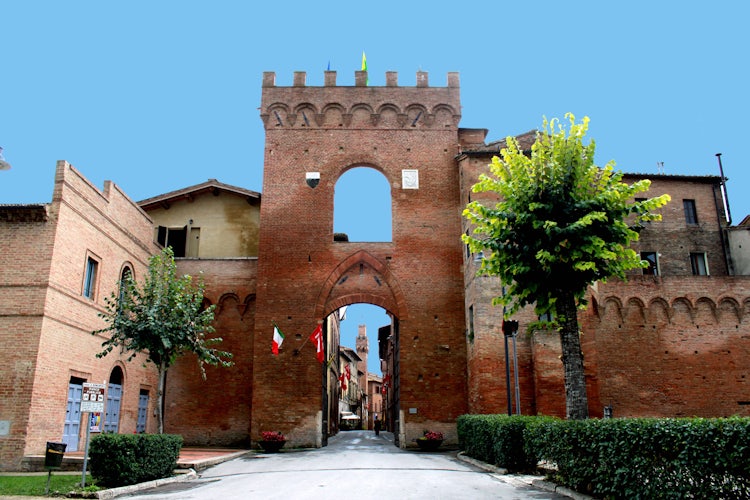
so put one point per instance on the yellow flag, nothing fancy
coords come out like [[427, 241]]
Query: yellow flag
[[364, 67]]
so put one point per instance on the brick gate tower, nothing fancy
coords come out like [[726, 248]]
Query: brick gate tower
[[313, 136]]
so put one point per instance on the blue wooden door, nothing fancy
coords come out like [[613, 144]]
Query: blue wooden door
[[142, 412], [112, 414], [73, 417]]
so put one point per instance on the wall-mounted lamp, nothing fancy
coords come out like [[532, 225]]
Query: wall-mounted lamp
[[312, 179], [4, 165]]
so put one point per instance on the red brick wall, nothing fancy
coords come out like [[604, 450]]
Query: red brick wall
[[300, 265], [216, 411], [672, 238], [25, 248], [677, 346], [669, 347], [46, 323], [664, 346]]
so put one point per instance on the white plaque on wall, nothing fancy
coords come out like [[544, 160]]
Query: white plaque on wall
[[410, 179]]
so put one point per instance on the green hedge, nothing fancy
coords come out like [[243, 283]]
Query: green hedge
[[650, 458], [123, 459], [498, 440], [622, 458]]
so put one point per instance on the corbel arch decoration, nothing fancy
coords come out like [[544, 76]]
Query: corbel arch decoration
[[682, 311], [659, 311], [729, 309], [612, 307], [277, 115], [227, 300], [705, 311], [635, 311], [305, 115]]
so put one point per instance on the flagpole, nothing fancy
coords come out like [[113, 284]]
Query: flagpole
[[297, 351]]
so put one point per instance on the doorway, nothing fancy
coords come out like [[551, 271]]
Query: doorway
[[72, 428], [360, 379]]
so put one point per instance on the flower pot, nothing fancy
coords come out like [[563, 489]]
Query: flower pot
[[271, 446], [429, 444]]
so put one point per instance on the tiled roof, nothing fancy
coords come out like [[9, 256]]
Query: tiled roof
[[525, 141], [23, 213], [210, 186]]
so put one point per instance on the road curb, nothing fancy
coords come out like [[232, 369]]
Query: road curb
[[124, 490], [524, 480]]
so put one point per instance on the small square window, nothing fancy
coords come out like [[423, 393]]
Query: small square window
[[89, 280], [698, 264], [548, 317], [175, 237], [653, 263], [691, 216]]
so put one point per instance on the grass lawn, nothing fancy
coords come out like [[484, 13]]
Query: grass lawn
[[28, 485]]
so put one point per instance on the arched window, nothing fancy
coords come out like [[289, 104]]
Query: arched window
[[126, 273], [362, 206]]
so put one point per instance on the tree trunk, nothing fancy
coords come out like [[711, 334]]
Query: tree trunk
[[160, 396], [576, 400]]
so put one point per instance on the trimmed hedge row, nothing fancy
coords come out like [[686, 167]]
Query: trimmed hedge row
[[499, 440], [621, 458], [124, 459]]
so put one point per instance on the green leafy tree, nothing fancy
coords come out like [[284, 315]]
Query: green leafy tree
[[163, 318], [561, 224]]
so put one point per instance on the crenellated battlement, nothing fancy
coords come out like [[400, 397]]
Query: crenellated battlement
[[360, 79], [360, 106]]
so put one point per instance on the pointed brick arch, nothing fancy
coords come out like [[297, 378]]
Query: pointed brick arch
[[391, 297]]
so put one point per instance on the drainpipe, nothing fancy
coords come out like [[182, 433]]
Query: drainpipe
[[724, 191], [725, 247]]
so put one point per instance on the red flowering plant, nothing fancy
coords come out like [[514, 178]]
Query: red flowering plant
[[272, 436], [432, 436]]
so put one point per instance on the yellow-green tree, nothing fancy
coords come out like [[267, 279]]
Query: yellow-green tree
[[164, 318], [560, 224]]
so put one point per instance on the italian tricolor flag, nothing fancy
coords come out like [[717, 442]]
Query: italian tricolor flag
[[278, 338]]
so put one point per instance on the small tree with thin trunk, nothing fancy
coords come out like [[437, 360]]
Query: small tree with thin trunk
[[561, 224], [163, 318]]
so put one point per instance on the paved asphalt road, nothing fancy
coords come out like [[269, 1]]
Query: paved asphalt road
[[355, 464]]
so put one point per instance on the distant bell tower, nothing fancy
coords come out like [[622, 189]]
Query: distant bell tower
[[362, 346]]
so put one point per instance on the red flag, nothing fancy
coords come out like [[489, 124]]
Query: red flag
[[386, 383], [342, 379], [317, 338], [348, 372]]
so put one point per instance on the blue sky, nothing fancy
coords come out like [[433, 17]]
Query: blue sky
[[156, 96]]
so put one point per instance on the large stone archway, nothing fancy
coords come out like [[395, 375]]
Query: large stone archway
[[410, 135]]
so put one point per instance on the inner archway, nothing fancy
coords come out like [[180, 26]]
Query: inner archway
[[362, 374]]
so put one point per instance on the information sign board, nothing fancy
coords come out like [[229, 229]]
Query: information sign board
[[92, 400]]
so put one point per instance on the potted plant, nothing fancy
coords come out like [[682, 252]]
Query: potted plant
[[271, 441], [430, 441]]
